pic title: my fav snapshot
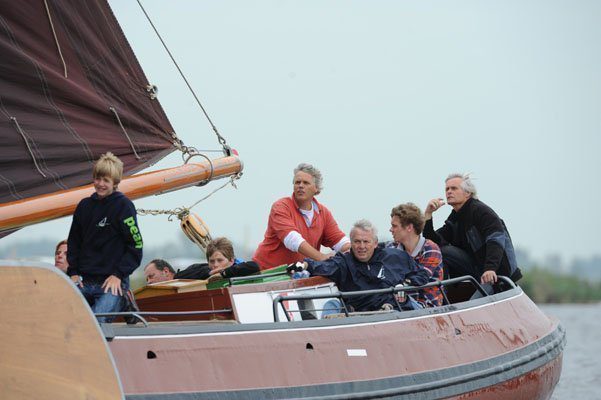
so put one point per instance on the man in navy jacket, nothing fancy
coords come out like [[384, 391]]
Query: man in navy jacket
[[368, 267]]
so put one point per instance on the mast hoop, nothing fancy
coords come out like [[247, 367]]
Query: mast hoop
[[192, 152]]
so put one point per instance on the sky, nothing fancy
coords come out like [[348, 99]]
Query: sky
[[386, 98]]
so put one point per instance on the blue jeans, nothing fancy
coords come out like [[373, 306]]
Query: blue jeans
[[332, 306], [103, 302], [411, 304]]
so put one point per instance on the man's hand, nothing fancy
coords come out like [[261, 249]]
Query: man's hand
[[296, 267], [77, 280], [489, 277], [113, 284], [432, 206], [400, 295]]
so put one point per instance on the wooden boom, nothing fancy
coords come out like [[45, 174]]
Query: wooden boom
[[46, 207]]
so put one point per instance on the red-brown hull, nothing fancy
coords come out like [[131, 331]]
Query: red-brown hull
[[503, 347], [536, 384]]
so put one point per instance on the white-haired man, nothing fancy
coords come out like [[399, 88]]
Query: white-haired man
[[367, 267], [474, 240], [299, 225]]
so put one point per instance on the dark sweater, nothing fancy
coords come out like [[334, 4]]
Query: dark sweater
[[104, 238], [203, 271], [479, 231]]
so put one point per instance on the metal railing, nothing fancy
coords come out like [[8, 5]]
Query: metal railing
[[280, 300]]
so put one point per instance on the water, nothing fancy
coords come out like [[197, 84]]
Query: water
[[581, 374]]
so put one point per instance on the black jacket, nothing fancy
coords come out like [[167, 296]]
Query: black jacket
[[202, 271], [479, 231], [104, 238]]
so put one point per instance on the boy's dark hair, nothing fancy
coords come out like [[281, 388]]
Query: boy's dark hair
[[222, 244]]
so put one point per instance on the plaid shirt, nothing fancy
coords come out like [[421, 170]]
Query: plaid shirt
[[428, 256]]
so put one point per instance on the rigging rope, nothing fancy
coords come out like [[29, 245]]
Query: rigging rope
[[35, 162], [58, 46], [182, 212], [220, 138], [125, 132]]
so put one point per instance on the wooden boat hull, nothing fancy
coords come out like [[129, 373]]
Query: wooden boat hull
[[498, 347], [50, 344]]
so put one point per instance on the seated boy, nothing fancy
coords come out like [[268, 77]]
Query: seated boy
[[222, 264], [406, 225], [105, 244]]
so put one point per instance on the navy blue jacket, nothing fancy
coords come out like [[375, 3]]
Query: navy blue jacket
[[104, 238], [386, 268]]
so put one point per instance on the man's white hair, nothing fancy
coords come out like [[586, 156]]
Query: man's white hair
[[366, 226], [311, 170], [466, 183]]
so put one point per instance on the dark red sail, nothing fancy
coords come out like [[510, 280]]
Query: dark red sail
[[57, 117]]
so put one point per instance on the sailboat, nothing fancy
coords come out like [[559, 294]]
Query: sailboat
[[70, 90]]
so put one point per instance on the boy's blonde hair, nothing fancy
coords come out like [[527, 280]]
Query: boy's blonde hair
[[109, 165]]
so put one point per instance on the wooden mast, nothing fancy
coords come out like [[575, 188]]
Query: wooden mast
[[59, 204]]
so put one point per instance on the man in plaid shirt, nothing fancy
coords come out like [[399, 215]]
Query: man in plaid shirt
[[406, 225]]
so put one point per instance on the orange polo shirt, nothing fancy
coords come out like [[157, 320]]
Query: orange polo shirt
[[285, 217]]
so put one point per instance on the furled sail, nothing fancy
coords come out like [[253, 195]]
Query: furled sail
[[70, 90]]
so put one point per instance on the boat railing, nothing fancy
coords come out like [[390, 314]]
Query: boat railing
[[132, 316], [279, 301]]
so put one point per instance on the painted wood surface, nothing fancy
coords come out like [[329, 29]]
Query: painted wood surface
[[51, 346]]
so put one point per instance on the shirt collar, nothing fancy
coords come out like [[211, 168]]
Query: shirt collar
[[314, 203], [420, 245], [418, 248]]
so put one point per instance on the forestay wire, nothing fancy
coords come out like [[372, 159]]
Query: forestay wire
[[187, 151], [220, 138]]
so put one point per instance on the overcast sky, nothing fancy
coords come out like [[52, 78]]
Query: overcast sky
[[386, 98]]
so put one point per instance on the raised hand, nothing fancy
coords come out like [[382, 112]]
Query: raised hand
[[432, 206]]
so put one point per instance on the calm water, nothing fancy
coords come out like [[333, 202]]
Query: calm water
[[581, 374]]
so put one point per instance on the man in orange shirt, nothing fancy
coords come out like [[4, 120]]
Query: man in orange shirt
[[299, 225]]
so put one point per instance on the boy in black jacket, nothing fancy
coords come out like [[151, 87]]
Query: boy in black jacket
[[222, 265], [105, 244]]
